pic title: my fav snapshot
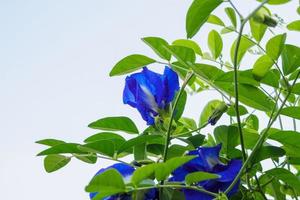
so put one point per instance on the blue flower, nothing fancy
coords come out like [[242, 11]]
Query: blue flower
[[126, 171], [207, 160], [150, 92]]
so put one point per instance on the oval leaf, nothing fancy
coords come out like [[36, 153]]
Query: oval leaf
[[262, 66], [55, 162], [294, 26], [196, 177], [130, 63], [124, 124], [275, 46], [198, 13], [190, 44], [158, 46], [215, 43]]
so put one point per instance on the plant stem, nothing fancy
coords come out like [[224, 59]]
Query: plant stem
[[236, 90], [261, 138], [168, 134], [260, 188], [236, 10], [177, 187]]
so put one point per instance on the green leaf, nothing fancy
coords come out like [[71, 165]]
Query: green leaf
[[227, 29], [258, 30], [231, 14], [250, 137], [245, 44], [207, 72], [55, 162], [62, 148], [247, 92], [294, 26], [292, 111], [252, 122], [108, 182], [143, 173], [196, 140], [215, 43], [180, 105], [213, 19], [273, 188], [275, 46], [245, 77], [262, 66], [188, 122], [290, 58], [158, 45], [105, 147], [115, 124], [140, 152], [267, 152], [103, 136], [176, 150], [130, 63], [196, 177], [276, 2], [231, 110], [91, 159], [228, 137], [289, 140], [285, 176], [142, 139], [163, 170], [296, 89], [189, 44], [208, 110], [198, 13], [271, 78], [298, 10], [184, 55], [50, 142]]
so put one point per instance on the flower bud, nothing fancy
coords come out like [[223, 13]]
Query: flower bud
[[217, 114], [263, 16]]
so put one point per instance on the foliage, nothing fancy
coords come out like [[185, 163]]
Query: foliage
[[173, 157]]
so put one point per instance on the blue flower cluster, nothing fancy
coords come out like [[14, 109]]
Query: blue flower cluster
[[150, 93], [207, 160]]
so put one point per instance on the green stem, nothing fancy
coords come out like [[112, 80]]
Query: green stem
[[261, 138], [260, 188], [236, 10], [177, 187], [236, 90], [168, 134]]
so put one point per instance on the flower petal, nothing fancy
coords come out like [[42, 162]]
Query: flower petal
[[210, 156], [232, 169], [129, 92], [171, 84]]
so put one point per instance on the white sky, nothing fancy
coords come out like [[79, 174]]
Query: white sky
[[54, 65]]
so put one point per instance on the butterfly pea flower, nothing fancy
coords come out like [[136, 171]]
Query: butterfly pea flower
[[207, 160], [126, 171], [150, 93]]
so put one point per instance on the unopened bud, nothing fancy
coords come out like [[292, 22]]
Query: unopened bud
[[217, 114], [263, 16]]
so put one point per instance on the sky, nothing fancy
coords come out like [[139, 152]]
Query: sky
[[54, 66]]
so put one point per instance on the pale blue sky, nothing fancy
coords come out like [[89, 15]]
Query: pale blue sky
[[54, 65]]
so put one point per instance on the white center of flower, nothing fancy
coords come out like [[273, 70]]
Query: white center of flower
[[150, 99]]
